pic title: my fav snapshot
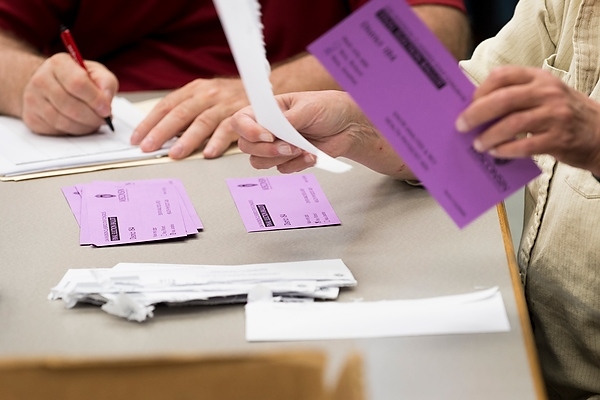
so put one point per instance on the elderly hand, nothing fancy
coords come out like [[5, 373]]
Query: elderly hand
[[62, 98], [560, 121], [328, 119], [199, 109]]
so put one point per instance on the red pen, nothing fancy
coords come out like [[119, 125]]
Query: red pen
[[67, 38]]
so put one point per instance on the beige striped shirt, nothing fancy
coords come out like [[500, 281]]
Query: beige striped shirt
[[559, 255]]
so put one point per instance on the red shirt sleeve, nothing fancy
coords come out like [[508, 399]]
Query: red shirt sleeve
[[460, 4]]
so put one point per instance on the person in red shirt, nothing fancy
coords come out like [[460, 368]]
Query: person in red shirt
[[153, 45]]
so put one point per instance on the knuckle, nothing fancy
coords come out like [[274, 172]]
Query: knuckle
[[37, 80], [243, 146], [503, 99], [515, 124], [62, 124], [499, 74], [206, 122], [57, 59], [528, 147], [257, 163], [29, 101], [77, 82], [182, 113], [165, 105], [563, 112]]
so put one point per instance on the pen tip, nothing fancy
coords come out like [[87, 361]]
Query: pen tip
[[109, 123], [63, 28]]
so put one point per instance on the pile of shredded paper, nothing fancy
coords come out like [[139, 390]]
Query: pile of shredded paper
[[131, 290]]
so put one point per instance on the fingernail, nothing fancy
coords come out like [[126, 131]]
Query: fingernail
[[284, 150], [147, 143], [176, 151], [209, 152], [477, 145], [135, 139], [309, 158], [266, 137], [461, 125]]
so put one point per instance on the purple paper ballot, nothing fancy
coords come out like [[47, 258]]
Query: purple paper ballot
[[412, 89], [117, 213], [281, 202], [187, 204], [74, 199], [84, 226], [134, 202], [190, 218]]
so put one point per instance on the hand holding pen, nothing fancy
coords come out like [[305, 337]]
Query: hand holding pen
[[69, 42], [61, 98]]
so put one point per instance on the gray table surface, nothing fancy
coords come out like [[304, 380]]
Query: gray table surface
[[395, 239]]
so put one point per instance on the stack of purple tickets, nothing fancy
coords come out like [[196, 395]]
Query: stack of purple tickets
[[110, 213]]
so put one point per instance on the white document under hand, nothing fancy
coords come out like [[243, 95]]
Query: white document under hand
[[24, 152], [241, 22], [477, 312]]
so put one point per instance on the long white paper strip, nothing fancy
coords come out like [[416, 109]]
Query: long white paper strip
[[243, 29], [477, 312]]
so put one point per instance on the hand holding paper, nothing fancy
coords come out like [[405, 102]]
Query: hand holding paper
[[329, 119], [241, 22], [411, 88]]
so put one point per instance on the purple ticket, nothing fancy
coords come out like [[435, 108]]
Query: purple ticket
[[118, 214], [190, 218], [112, 213], [189, 207], [281, 202], [73, 197], [412, 89]]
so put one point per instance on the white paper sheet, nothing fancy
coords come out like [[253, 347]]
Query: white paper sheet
[[24, 152], [241, 22], [477, 312]]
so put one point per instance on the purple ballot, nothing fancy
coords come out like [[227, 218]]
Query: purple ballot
[[281, 202], [121, 213], [190, 213], [112, 213], [412, 89], [190, 218], [73, 197]]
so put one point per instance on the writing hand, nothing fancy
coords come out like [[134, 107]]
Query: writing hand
[[61, 98]]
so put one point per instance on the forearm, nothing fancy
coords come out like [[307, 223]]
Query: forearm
[[373, 151], [300, 74], [18, 62], [304, 72], [450, 25]]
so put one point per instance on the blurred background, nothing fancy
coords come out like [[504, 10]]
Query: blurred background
[[488, 16]]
